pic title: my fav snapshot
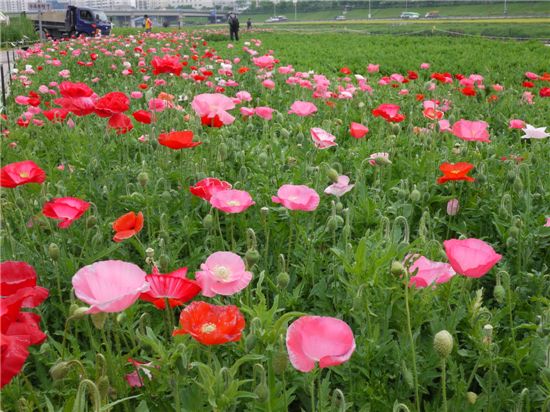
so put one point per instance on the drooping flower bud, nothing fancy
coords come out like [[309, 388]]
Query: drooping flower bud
[[415, 195], [332, 174], [283, 279], [143, 179], [60, 370], [488, 334], [53, 251], [443, 343]]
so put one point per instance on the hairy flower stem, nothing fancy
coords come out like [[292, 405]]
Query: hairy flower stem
[[444, 383], [413, 352]]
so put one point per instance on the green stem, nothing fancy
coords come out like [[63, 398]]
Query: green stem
[[413, 352], [312, 392], [444, 383]]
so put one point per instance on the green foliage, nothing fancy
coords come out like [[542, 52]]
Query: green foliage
[[19, 26]]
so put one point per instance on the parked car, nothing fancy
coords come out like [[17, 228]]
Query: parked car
[[339, 18], [432, 15], [276, 19], [409, 15]]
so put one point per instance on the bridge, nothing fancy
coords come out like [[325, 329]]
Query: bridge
[[171, 17]]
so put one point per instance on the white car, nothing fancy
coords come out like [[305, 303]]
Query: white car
[[276, 19], [339, 18], [409, 15]]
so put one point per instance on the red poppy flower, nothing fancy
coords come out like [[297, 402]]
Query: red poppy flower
[[528, 84], [143, 116], [173, 286], [345, 70], [55, 115], [243, 70], [77, 98], [14, 276], [127, 226], [419, 97], [178, 140], [66, 209], [389, 112], [468, 91], [432, 114], [211, 324], [93, 56], [166, 64], [112, 103], [121, 123], [455, 171], [23, 122], [21, 173], [206, 188], [142, 86], [357, 130], [544, 92], [212, 122], [13, 354], [412, 75]]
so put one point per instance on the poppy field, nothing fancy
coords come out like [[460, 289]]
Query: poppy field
[[285, 223]]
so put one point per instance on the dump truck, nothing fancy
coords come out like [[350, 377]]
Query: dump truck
[[75, 21]]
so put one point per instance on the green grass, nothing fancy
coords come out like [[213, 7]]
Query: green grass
[[18, 27]]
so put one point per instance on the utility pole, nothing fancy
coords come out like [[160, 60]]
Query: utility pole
[[40, 21], [295, 9], [505, 8], [369, 10]]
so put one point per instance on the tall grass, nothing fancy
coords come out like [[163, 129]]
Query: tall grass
[[19, 26]]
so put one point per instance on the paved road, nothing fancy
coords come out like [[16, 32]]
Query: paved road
[[4, 64]]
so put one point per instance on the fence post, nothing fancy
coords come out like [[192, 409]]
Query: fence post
[[3, 88]]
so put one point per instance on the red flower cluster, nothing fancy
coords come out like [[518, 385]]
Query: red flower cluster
[[167, 64], [389, 112], [21, 173], [18, 330]]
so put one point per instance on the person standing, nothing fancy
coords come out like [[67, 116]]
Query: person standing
[[233, 26], [248, 24], [148, 23]]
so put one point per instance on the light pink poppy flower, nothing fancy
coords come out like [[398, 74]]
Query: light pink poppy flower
[[429, 272], [379, 159], [547, 224], [444, 126], [157, 105], [471, 257], [268, 84], [373, 68], [532, 132], [297, 197], [264, 112], [425, 66], [453, 207], [209, 106], [531, 75], [136, 95], [247, 111], [300, 108], [340, 188], [231, 200], [471, 130], [516, 124], [323, 339], [322, 139], [264, 62], [109, 285], [223, 273], [244, 96], [357, 130]]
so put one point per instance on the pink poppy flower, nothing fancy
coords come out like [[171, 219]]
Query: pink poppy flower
[[158, 105], [379, 159], [264, 62], [66, 209], [303, 109], [244, 96], [268, 84], [109, 285], [264, 112], [134, 379], [323, 339], [453, 207], [212, 107], [206, 188], [246, 111], [532, 132], [516, 124], [340, 188], [425, 66], [297, 197], [136, 95], [468, 130], [444, 126], [547, 224], [531, 75], [231, 200], [322, 139], [429, 272], [373, 68], [223, 273], [357, 130], [471, 257]]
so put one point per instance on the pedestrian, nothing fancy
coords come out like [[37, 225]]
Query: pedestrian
[[248, 24], [147, 23], [233, 26]]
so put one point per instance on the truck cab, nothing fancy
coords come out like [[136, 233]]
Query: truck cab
[[82, 20]]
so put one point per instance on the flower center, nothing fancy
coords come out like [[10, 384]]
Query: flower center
[[455, 172], [208, 328], [234, 203], [222, 273], [24, 175]]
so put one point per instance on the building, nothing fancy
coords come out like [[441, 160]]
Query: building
[[204, 4], [105, 4], [13, 6]]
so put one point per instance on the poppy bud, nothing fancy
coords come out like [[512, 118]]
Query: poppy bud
[[103, 386], [408, 376], [511, 243], [98, 319], [518, 184], [91, 221], [285, 133], [250, 341], [252, 256], [382, 161], [443, 343], [60, 370], [300, 137], [499, 293], [415, 195], [279, 361], [263, 158], [397, 268], [166, 196], [208, 221], [481, 178], [280, 117], [20, 202], [164, 261], [514, 232], [332, 174], [143, 179], [243, 173], [262, 392], [97, 239], [290, 161], [283, 279], [511, 175], [339, 122], [53, 251], [150, 252], [471, 397], [264, 211], [334, 222], [402, 194], [339, 207], [77, 312], [517, 222], [222, 152], [395, 128], [121, 317], [457, 149]]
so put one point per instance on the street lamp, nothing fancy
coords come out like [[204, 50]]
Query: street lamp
[[505, 8], [369, 10]]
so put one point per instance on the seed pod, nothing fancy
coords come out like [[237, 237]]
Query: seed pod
[[415, 195], [285, 133], [332, 174], [397, 268], [252, 256], [499, 293], [53, 251], [143, 179], [471, 397], [443, 343]]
